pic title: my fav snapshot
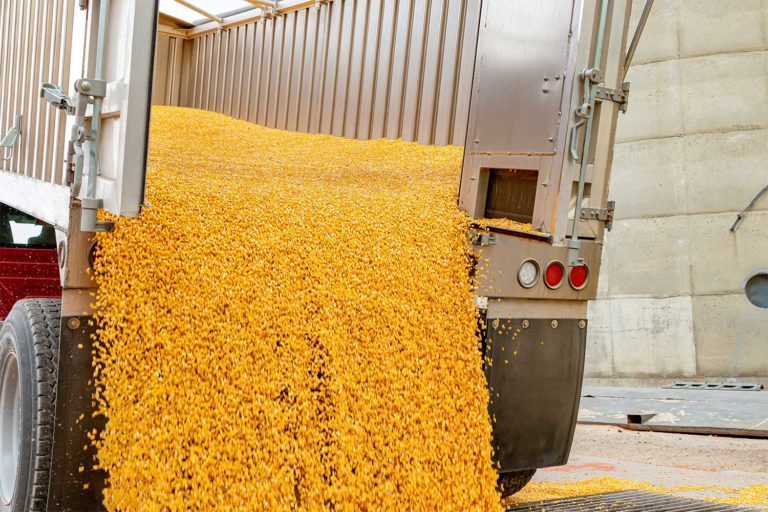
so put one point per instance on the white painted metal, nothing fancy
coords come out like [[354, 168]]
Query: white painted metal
[[43, 200], [46, 41]]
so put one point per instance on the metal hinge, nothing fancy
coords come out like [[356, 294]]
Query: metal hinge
[[9, 141], [601, 214], [483, 239], [620, 96]]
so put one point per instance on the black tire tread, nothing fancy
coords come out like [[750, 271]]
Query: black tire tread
[[44, 318]]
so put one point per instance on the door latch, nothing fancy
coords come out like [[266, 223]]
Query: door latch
[[601, 214], [620, 96]]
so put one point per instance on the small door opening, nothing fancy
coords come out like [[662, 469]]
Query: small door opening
[[511, 194]]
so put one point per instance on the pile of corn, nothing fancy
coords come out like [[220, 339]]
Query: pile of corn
[[290, 325]]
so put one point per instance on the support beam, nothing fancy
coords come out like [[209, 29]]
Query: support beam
[[283, 7], [263, 3], [200, 11]]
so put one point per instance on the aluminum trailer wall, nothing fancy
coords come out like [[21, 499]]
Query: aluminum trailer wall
[[36, 41], [169, 54], [356, 68]]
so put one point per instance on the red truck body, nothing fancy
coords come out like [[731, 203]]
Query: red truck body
[[26, 273]]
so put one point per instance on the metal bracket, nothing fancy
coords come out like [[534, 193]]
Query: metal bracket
[[55, 96], [92, 88], [620, 96], [483, 239], [89, 221], [601, 214], [269, 13], [9, 141]]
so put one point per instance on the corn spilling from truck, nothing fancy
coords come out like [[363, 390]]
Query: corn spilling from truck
[[290, 325], [302, 297]]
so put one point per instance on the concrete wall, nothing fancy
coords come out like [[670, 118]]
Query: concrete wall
[[691, 152]]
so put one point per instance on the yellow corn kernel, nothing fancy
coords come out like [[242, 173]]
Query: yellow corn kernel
[[290, 325]]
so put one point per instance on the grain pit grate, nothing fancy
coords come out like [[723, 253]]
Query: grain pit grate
[[627, 501]]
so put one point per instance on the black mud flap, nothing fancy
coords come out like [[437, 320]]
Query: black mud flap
[[534, 369], [75, 485]]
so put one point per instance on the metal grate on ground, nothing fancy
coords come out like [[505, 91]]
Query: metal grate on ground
[[628, 501]]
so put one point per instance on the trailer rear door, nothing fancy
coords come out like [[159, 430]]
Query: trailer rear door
[[57, 43]]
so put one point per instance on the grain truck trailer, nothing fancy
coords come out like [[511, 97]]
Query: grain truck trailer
[[531, 88]]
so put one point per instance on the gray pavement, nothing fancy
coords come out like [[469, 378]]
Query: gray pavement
[[664, 459]]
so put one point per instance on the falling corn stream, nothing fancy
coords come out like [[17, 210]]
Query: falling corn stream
[[289, 325]]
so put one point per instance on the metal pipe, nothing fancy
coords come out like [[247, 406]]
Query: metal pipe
[[574, 244], [200, 11], [101, 41], [636, 37], [89, 221], [598, 60], [742, 213]]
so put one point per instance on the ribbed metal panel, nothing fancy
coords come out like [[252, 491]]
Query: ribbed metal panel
[[355, 68], [166, 85], [35, 47]]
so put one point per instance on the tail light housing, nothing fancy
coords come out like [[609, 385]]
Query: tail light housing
[[578, 277], [528, 273], [554, 275]]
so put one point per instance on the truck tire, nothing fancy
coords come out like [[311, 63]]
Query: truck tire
[[514, 481], [29, 347]]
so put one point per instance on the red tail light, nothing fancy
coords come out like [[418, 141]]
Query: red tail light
[[554, 275], [578, 277]]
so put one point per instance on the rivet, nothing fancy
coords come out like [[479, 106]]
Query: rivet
[[495, 323], [554, 324], [85, 86], [582, 324], [526, 324], [73, 323]]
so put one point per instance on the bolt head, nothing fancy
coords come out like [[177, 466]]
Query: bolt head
[[85, 86], [73, 323], [526, 324], [554, 324], [582, 324]]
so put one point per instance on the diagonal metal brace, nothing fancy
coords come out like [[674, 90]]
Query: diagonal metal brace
[[740, 216]]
